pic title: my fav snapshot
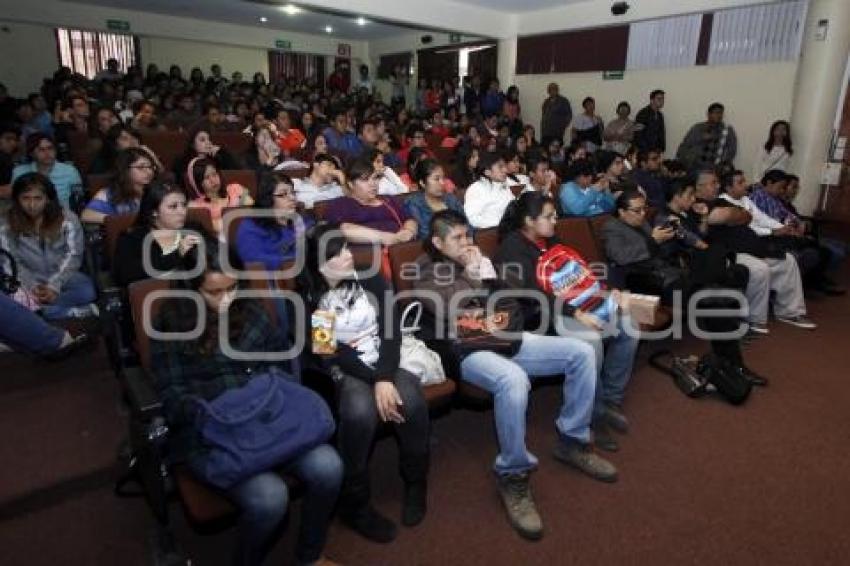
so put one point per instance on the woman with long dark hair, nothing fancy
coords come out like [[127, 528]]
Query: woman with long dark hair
[[201, 145], [485, 200], [207, 190], [271, 240], [46, 241], [526, 233], [370, 386], [431, 195], [776, 152], [134, 169], [200, 368]]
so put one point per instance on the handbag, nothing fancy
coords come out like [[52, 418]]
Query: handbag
[[254, 428], [479, 330], [416, 357], [684, 371], [729, 382]]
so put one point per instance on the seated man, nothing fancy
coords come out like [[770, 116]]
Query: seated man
[[340, 138], [770, 269], [814, 259], [324, 183], [452, 265], [585, 193], [648, 177]]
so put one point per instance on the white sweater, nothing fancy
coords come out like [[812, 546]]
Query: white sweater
[[484, 203], [762, 224], [778, 158]]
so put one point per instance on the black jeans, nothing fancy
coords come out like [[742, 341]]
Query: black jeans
[[358, 422]]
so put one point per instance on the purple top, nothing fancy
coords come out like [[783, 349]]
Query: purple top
[[347, 209]]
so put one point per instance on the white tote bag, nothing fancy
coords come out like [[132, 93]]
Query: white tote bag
[[416, 357]]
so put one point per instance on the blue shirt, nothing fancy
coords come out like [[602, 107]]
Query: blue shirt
[[576, 201], [347, 143], [64, 177], [269, 246], [418, 209], [110, 207]]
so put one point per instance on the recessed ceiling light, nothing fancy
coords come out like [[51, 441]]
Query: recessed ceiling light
[[291, 9], [263, 19], [361, 21], [329, 29]]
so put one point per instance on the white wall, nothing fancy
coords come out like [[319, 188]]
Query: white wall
[[754, 96], [27, 55], [29, 50]]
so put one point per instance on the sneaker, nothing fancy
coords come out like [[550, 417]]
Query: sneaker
[[87, 311], [581, 456], [370, 524], [415, 504], [799, 321], [602, 437], [615, 417], [522, 513], [759, 328]]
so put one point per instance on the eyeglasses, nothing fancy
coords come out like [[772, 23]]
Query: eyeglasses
[[285, 194]]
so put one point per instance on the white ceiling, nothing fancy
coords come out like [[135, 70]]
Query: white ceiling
[[248, 13], [517, 6]]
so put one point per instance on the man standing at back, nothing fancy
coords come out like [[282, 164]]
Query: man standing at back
[[653, 135], [708, 144], [557, 115]]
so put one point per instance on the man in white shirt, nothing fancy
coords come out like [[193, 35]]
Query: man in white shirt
[[324, 183], [487, 198]]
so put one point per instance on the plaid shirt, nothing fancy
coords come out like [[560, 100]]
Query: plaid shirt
[[181, 373], [771, 205]]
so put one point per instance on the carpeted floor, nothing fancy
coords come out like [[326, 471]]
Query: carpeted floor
[[702, 482]]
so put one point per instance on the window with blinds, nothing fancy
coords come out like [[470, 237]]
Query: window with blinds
[[86, 52], [664, 43], [770, 32]]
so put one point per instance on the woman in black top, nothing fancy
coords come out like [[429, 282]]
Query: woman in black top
[[371, 387], [201, 145]]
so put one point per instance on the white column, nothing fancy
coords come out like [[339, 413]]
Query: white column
[[506, 62], [816, 94]]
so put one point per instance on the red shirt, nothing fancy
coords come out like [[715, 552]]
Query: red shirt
[[291, 141]]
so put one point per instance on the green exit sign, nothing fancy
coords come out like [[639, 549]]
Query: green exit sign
[[612, 75], [118, 25], [283, 44]]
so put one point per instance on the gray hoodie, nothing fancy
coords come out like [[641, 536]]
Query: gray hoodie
[[48, 262]]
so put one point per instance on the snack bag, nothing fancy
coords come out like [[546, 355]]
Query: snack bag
[[322, 332]]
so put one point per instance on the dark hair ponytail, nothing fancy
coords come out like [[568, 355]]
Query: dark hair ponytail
[[529, 204]]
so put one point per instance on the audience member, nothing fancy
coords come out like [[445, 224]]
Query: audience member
[[712, 143], [653, 134], [134, 169], [430, 197], [326, 181], [585, 193], [64, 178], [485, 200]]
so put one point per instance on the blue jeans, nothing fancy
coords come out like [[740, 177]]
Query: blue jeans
[[508, 380], [78, 291], [263, 500], [615, 356], [24, 330]]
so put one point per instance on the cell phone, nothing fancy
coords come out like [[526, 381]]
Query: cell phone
[[671, 224]]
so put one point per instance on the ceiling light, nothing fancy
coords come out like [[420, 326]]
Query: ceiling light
[[263, 19], [361, 21], [329, 29], [291, 9]]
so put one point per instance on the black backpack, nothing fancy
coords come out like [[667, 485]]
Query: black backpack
[[726, 378]]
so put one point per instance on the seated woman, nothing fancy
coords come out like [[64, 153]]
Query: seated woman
[[370, 386], [486, 199], [526, 233], [364, 216], [203, 181], [46, 241], [515, 168], [187, 370], [119, 137], [414, 156], [201, 146], [272, 240], [64, 177], [585, 193], [133, 170], [431, 196], [162, 213], [264, 155], [390, 183]]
